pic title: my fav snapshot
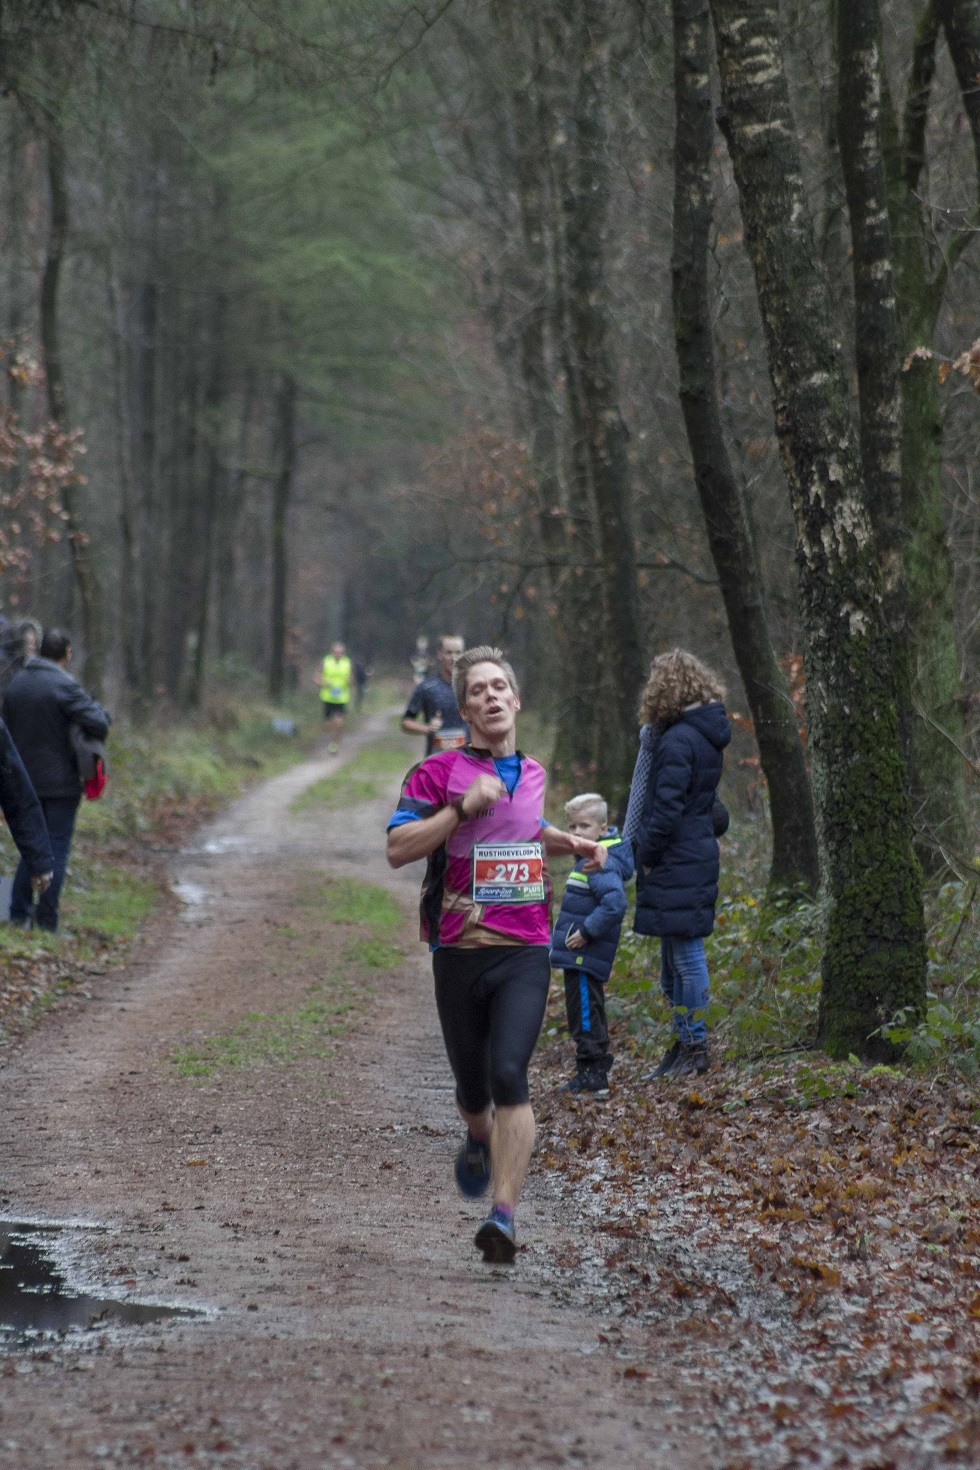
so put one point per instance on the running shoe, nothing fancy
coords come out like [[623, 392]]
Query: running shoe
[[332, 748], [473, 1167], [497, 1238]]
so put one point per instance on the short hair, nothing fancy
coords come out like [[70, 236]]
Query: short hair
[[482, 654], [677, 679], [55, 644], [589, 804], [445, 637]]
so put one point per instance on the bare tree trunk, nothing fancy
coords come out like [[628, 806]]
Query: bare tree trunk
[[795, 861], [128, 558], [214, 490], [230, 509], [594, 397], [936, 724], [874, 955], [145, 354], [539, 146], [182, 500], [285, 436], [83, 561]]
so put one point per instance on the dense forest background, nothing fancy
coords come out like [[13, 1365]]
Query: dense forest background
[[298, 250], [587, 328]]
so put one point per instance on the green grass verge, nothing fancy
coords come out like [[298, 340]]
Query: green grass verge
[[348, 901], [159, 771], [260, 1039], [333, 917], [363, 779], [107, 900]]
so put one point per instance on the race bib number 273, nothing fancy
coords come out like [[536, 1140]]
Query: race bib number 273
[[508, 872]]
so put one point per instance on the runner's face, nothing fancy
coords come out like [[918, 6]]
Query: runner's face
[[589, 827], [491, 704], [449, 651]]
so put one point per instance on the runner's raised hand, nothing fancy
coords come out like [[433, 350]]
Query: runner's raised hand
[[482, 793]]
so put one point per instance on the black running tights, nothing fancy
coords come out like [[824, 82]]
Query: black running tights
[[491, 1004]]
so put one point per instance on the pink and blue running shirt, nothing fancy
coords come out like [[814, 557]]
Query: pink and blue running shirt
[[447, 909]]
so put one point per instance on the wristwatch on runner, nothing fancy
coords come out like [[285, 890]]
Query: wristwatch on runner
[[459, 809]]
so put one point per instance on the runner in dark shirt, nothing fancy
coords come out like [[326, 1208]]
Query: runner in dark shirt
[[442, 724]]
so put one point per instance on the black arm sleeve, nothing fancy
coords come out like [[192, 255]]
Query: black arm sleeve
[[79, 705], [22, 808]]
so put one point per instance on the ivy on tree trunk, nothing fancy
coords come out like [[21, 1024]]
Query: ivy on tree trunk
[[874, 955]]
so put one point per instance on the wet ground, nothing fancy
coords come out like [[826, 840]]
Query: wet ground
[[304, 1206], [38, 1304]]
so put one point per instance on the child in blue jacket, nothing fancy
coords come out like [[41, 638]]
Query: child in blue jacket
[[585, 937]]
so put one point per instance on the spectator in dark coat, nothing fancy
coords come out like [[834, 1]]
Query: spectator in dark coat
[[676, 846], [40, 705]]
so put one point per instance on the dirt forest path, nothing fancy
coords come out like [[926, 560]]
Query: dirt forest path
[[306, 1205]]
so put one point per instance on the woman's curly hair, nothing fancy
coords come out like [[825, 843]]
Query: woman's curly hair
[[676, 680]]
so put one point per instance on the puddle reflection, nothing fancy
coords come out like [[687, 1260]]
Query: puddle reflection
[[36, 1298]]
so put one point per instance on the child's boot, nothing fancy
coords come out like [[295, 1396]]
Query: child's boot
[[592, 1078]]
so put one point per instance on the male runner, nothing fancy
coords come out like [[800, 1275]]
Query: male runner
[[442, 724], [476, 814], [335, 693]]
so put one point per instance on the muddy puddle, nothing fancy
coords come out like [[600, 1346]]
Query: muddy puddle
[[36, 1298]]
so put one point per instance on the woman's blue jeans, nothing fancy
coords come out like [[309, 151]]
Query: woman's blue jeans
[[686, 987]]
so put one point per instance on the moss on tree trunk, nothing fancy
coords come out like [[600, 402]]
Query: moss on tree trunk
[[795, 861], [874, 955]]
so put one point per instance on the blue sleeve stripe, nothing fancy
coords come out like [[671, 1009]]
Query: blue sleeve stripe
[[401, 817]]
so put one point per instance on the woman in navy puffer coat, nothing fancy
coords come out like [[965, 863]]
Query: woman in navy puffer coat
[[676, 842]]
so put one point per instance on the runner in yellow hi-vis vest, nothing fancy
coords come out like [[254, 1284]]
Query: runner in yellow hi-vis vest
[[335, 693]]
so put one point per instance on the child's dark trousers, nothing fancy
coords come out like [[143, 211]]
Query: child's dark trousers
[[585, 1007]]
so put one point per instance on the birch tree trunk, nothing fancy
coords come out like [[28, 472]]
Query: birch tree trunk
[[795, 862], [860, 140], [874, 955], [83, 562]]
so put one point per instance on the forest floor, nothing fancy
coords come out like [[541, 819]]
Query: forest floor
[[255, 1114]]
